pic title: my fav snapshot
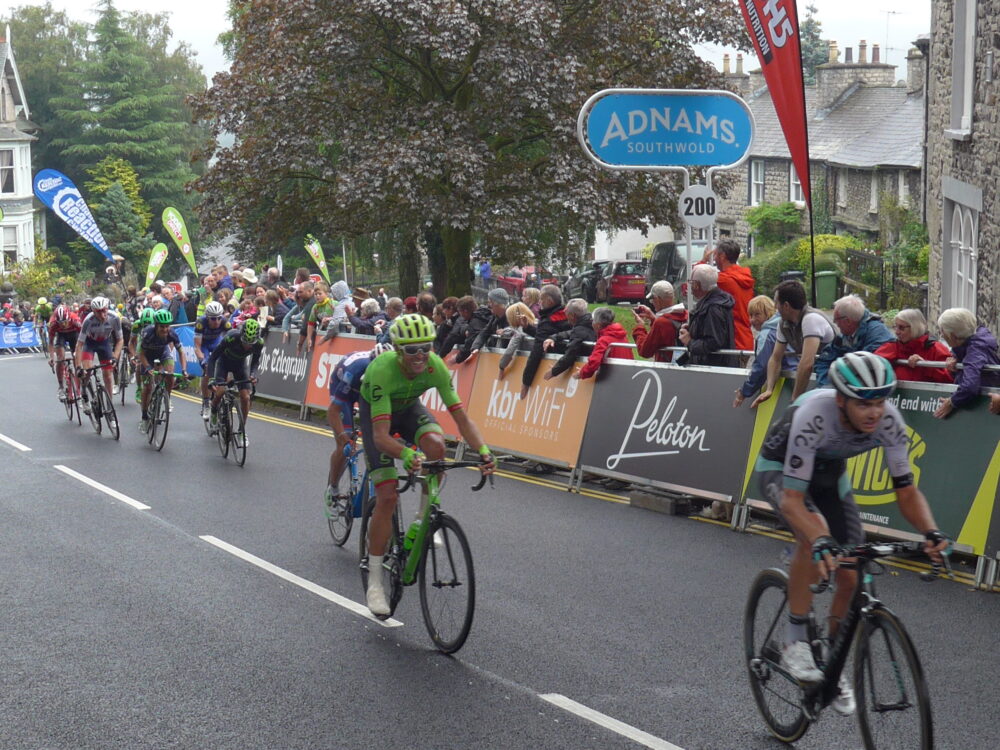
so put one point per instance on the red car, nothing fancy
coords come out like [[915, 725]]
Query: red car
[[623, 281], [518, 277]]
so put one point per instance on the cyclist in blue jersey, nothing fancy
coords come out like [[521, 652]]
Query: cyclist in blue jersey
[[230, 358], [345, 389], [158, 342], [208, 332]]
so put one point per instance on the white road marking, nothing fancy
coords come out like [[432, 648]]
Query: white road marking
[[14, 444], [103, 488], [636, 735], [12, 357], [332, 596]]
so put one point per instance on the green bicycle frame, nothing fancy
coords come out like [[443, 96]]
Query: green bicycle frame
[[409, 574]]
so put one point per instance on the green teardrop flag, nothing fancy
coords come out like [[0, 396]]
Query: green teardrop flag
[[173, 222], [316, 251], [157, 257]]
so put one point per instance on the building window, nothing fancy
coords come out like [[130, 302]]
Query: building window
[[963, 69], [795, 193], [7, 171], [873, 195], [904, 189], [960, 248], [9, 247], [842, 188], [756, 182]]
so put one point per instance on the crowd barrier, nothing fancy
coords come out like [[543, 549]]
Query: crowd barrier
[[19, 336], [673, 427]]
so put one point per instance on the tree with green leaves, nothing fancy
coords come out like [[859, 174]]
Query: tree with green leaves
[[454, 116], [112, 171], [815, 49]]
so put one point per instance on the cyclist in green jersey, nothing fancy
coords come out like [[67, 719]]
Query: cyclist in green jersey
[[390, 403]]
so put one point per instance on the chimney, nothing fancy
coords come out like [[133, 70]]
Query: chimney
[[833, 52], [725, 65], [863, 52], [739, 64], [915, 69], [875, 54], [848, 56]]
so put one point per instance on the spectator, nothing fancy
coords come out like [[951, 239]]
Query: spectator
[[300, 314], [382, 298], [274, 279], [425, 304], [710, 326], [464, 310], [343, 307], [517, 338], [320, 314], [485, 322], [369, 314], [608, 333], [736, 281], [913, 344], [410, 305], [158, 302], [665, 321], [301, 277], [575, 338], [764, 319], [860, 330], [803, 330], [225, 298], [223, 279], [275, 309], [486, 273], [393, 309], [551, 320], [531, 296], [975, 347], [449, 314]]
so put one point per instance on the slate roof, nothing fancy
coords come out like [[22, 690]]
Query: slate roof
[[877, 126]]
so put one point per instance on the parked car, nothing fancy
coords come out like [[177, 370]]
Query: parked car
[[517, 277], [667, 261], [622, 281], [584, 282]]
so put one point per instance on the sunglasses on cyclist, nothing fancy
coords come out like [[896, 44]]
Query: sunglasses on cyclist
[[213, 317], [413, 349]]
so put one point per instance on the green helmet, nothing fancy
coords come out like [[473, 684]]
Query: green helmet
[[146, 316], [251, 330], [863, 375], [163, 317], [411, 329]]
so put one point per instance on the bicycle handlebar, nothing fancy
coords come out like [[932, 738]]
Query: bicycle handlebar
[[875, 550], [441, 465]]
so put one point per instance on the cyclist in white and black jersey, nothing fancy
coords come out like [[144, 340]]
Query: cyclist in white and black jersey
[[802, 472], [100, 334]]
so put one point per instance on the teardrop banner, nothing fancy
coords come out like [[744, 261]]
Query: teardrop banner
[[316, 251], [58, 192], [157, 257], [173, 222]]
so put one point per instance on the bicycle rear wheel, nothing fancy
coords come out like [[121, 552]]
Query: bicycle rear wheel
[[778, 697], [340, 511], [238, 434], [390, 577], [70, 390], [93, 404], [108, 412], [894, 707], [447, 584], [159, 415]]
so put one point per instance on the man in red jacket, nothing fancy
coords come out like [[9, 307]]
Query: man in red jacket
[[608, 332], [737, 281], [665, 321]]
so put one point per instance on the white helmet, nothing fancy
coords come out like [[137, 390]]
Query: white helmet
[[214, 310], [99, 303], [380, 348]]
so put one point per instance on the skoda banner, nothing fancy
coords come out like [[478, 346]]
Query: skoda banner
[[58, 192]]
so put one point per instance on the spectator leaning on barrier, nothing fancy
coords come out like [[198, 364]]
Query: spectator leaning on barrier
[[449, 313], [369, 314], [738, 282], [975, 347], [764, 320], [518, 315], [464, 309], [665, 321], [485, 322], [609, 333], [803, 330], [393, 309], [571, 342], [860, 330], [913, 344], [425, 304], [343, 307], [551, 320], [710, 325]]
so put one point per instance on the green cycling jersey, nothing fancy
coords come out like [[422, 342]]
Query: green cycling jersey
[[387, 389]]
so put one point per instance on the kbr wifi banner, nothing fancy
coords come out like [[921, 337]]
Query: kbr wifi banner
[[157, 256], [316, 251], [173, 222], [58, 192]]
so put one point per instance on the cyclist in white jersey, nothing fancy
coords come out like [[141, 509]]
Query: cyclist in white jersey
[[100, 334]]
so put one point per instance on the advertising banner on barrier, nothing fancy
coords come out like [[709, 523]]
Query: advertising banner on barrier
[[282, 372], [15, 336], [186, 334], [548, 424], [669, 426]]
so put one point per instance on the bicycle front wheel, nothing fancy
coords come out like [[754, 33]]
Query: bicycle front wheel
[[237, 432], [93, 405], [223, 427], [447, 584], [159, 414], [108, 412], [778, 696], [894, 707], [340, 509], [70, 389]]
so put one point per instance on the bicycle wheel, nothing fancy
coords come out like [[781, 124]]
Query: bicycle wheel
[[94, 406], [447, 584], [70, 389], [340, 512], [778, 696], [894, 707], [124, 374], [237, 432], [108, 412], [390, 577], [223, 427], [159, 414]]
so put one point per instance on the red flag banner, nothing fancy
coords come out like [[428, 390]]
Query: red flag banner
[[774, 29]]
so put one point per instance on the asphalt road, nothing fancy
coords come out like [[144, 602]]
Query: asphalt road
[[129, 628]]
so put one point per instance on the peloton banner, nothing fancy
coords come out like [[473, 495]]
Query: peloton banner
[[668, 426]]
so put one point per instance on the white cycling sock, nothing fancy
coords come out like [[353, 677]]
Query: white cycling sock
[[375, 571]]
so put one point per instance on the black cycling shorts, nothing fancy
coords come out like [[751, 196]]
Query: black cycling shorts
[[411, 424], [829, 494]]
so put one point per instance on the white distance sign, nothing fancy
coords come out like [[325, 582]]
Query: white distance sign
[[697, 206]]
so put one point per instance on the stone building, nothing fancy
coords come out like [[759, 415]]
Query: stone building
[[20, 219], [963, 158], [865, 142]]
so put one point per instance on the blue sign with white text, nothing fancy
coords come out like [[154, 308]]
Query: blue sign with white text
[[636, 128], [58, 192]]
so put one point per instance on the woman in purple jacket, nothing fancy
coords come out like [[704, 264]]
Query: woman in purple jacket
[[975, 347]]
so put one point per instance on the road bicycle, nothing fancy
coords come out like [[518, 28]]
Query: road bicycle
[[71, 389], [230, 430], [159, 405], [97, 400], [124, 373], [346, 501], [432, 550], [893, 703]]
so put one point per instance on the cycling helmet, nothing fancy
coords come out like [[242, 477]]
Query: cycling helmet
[[62, 313], [42, 301], [380, 348], [163, 317], [411, 329], [146, 317], [99, 303], [863, 375], [214, 310], [251, 330]]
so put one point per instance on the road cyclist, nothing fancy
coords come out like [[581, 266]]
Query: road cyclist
[[143, 321], [802, 472], [390, 404], [208, 332], [64, 331], [158, 342], [101, 335], [40, 316], [230, 358]]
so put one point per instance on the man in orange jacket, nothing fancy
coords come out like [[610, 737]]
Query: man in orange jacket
[[737, 281]]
